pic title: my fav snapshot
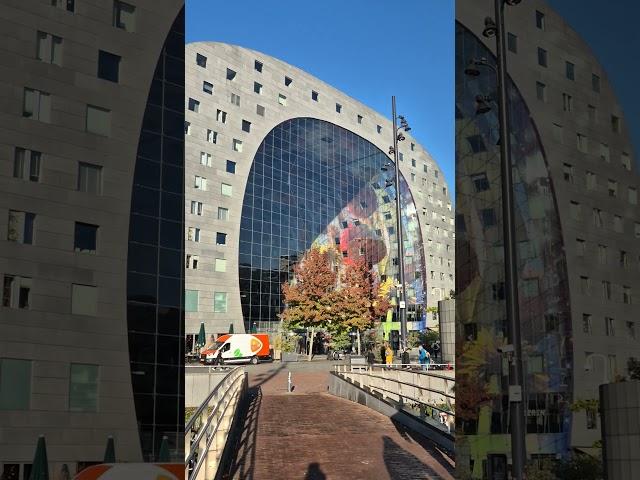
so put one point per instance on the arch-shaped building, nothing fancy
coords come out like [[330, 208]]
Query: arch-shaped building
[[578, 226], [277, 161]]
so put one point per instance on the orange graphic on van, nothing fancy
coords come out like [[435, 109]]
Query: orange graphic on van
[[256, 345]]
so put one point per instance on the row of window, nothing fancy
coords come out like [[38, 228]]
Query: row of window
[[591, 183], [599, 218], [192, 301], [624, 291], [22, 229], [16, 383], [623, 258], [609, 326], [16, 293]]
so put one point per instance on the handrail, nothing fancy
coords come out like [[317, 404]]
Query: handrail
[[206, 400]]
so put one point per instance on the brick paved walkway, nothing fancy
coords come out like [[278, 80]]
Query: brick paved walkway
[[311, 435]]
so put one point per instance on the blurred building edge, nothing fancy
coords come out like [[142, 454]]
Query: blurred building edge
[[577, 223], [447, 327], [91, 318]]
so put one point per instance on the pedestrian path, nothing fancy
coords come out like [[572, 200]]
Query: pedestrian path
[[312, 435]]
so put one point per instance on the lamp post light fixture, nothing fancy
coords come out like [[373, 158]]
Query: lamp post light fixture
[[495, 28], [402, 287]]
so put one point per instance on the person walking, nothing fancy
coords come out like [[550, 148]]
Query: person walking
[[388, 354], [382, 353], [427, 360], [422, 357]]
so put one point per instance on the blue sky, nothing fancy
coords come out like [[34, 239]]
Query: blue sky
[[612, 34], [368, 49]]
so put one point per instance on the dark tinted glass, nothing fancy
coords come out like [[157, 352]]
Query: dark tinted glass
[[85, 237], [108, 66]]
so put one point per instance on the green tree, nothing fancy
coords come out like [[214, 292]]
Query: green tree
[[580, 467], [633, 365]]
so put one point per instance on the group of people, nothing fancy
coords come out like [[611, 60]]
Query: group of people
[[387, 354]]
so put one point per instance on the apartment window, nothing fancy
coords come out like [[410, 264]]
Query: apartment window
[[84, 300], [512, 42], [26, 164], [597, 217], [205, 159], [194, 105], [37, 105], [626, 294], [201, 60], [257, 88], [287, 81], [246, 126], [624, 259], [85, 238], [196, 207], [568, 172], [540, 21], [602, 254], [338, 108], [542, 57], [15, 386], [212, 137], [260, 110], [593, 113], [226, 190], [235, 99], [541, 91], [570, 70], [574, 208], [207, 87], [488, 217], [637, 229], [221, 116], [625, 159], [90, 178], [581, 247], [609, 326], [633, 195], [83, 388], [615, 124], [476, 143], [591, 181], [192, 262], [360, 117], [606, 290], [605, 154], [231, 167], [586, 323], [68, 5], [585, 285], [413, 177], [220, 265], [124, 16], [200, 182], [108, 66], [581, 142], [187, 128], [193, 234], [567, 102], [16, 292], [237, 145], [391, 230], [595, 82], [223, 213], [257, 66], [480, 182], [592, 419], [21, 227], [221, 238], [314, 95], [379, 130], [617, 223], [282, 100], [49, 48], [401, 156], [612, 188], [220, 302], [231, 74], [631, 329], [98, 120], [191, 300]]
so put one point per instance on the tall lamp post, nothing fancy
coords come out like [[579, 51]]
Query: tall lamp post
[[401, 289], [514, 349]]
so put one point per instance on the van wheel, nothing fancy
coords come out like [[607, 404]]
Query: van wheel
[[220, 361], [254, 360]]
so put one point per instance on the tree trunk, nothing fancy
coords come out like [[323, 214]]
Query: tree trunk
[[313, 331], [358, 340]]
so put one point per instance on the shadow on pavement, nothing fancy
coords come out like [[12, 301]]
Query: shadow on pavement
[[403, 465], [314, 472], [438, 454]]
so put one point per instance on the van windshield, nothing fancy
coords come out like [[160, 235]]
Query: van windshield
[[216, 345]]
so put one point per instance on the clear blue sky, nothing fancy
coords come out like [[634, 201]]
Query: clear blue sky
[[611, 30], [369, 49]]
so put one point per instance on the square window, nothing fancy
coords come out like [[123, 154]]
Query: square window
[[193, 234], [314, 96], [205, 159], [212, 137], [85, 238], [282, 100], [220, 302], [207, 87], [196, 207], [16, 292], [237, 145], [615, 124], [480, 181], [633, 195], [15, 387], [98, 120], [84, 300], [83, 388], [220, 265], [512, 42], [379, 130], [541, 91], [231, 74], [21, 227], [338, 108], [37, 105], [542, 57], [26, 164], [570, 70], [187, 128], [194, 105], [221, 238], [108, 66], [540, 21], [257, 88], [625, 159], [488, 217], [69, 6], [49, 48], [124, 16], [360, 118], [476, 143], [260, 110], [221, 116], [595, 82], [223, 213], [567, 102], [191, 300], [287, 81], [231, 167], [226, 190], [581, 141], [90, 178], [201, 60], [257, 66], [246, 126], [593, 113]]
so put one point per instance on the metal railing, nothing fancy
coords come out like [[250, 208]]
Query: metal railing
[[207, 430], [421, 393]]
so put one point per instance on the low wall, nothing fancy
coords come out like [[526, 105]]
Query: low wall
[[199, 383]]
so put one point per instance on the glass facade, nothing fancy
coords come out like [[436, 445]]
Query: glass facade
[[155, 283], [482, 373], [313, 183]]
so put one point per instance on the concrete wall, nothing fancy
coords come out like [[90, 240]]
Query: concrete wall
[[199, 383]]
